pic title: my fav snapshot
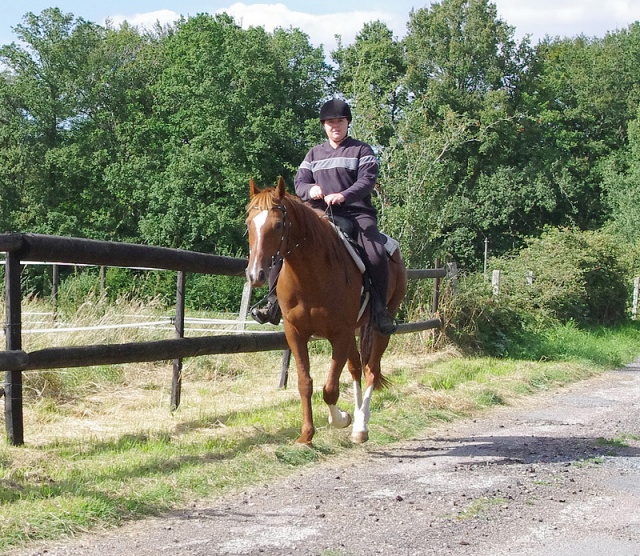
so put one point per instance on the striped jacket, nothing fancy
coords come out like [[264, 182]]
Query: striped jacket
[[350, 169]]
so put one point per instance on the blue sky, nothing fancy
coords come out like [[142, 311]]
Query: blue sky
[[322, 20]]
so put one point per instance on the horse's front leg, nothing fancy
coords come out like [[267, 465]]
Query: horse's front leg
[[331, 392], [300, 352]]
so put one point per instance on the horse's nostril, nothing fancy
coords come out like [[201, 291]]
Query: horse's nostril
[[262, 276]]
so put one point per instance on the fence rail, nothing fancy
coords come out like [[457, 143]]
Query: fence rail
[[54, 249]]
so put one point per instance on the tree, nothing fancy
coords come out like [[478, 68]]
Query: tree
[[622, 186], [370, 74], [584, 98], [40, 99], [463, 76], [231, 104]]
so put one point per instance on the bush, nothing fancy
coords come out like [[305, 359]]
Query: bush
[[575, 276], [477, 320], [564, 276]]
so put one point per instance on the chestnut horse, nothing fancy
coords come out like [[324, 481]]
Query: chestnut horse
[[319, 291]]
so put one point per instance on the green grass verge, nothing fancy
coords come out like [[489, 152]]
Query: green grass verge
[[62, 487]]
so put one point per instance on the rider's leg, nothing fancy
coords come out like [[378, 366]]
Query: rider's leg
[[271, 311]]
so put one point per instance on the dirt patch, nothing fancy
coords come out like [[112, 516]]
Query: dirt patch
[[557, 475]]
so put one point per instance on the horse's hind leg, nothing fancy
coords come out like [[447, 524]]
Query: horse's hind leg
[[331, 391], [373, 380], [354, 365]]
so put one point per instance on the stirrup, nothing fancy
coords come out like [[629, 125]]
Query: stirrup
[[385, 323], [269, 313]]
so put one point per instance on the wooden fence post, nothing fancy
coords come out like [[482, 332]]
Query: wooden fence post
[[55, 283], [176, 384], [435, 300], [284, 372], [452, 272], [636, 288], [14, 422], [495, 282], [244, 305]]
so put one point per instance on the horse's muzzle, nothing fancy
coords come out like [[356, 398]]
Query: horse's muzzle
[[257, 277]]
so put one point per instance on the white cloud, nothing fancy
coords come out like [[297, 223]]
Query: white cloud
[[320, 28], [567, 18], [145, 20]]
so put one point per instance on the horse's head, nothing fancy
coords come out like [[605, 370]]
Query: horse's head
[[266, 224]]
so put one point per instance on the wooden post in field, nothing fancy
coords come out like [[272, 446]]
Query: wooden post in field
[[495, 282], [284, 372], [435, 300], [244, 305], [636, 288], [14, 423], [486, 254], [55, 283], [452, 272], [176, 384]]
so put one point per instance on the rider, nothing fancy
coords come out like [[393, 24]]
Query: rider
[[337, 177]]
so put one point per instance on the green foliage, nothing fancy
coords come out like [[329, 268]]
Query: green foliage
[[621, 174], [564, 277], [478, 321], [111, 133], [370, 73], [575, 276], [206, 292]]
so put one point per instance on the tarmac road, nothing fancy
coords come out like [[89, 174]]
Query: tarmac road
[[558, 475]]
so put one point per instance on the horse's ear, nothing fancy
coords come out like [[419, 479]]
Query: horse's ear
[[253, 190], [280, 188]]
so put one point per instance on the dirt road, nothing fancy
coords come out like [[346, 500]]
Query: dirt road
[[559, 475]]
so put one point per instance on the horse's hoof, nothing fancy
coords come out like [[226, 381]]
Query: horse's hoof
[[359, 437], [303, 443]]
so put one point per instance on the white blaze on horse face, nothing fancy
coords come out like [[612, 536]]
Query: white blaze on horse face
[[258, 223]]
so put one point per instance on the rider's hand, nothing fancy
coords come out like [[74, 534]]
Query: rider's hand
[[334, 199], [315, 192]]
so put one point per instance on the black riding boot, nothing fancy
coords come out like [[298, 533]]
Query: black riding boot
[[382, 319], [269, 313]]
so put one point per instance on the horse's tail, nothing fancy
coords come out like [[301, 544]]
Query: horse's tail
[[367, 336]]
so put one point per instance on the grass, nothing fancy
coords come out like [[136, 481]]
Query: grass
[[102, 446], [478, 507]]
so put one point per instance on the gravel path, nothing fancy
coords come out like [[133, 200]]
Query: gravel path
[[557, 475]]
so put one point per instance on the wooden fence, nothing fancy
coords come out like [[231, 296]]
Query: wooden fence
[[21, 247]]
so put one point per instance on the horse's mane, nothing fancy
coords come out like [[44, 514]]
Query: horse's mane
[[313, 227]]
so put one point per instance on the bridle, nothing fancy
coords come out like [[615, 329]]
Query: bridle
[[276, 257]]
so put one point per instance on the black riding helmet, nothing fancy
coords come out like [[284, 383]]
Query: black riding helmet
[[334, 109]]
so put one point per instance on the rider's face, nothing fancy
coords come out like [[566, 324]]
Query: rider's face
[[336, 129]]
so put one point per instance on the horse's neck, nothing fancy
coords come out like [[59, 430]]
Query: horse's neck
[[308, 240]]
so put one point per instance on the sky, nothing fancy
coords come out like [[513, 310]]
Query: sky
[[321, 21]]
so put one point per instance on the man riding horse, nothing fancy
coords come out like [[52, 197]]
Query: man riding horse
[[337, 178]]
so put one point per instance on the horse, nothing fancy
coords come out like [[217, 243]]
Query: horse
[[319, 291]]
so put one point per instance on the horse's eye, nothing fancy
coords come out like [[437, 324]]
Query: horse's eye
[[279, 225]]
